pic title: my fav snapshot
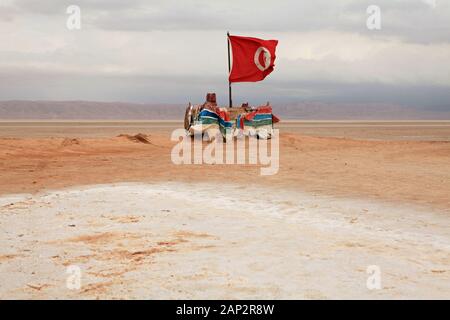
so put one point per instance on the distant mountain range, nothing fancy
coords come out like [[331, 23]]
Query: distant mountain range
[[89, 110]]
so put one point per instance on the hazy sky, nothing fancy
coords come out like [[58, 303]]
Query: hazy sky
[[175, 51]]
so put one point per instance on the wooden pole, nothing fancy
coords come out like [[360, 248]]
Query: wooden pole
[[229, 71]]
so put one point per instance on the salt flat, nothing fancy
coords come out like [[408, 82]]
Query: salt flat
[[412, 130], [203, 240]]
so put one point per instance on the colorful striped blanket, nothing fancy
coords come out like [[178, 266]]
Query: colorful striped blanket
[[258, 121]]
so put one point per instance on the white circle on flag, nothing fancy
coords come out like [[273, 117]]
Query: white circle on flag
[[267, 58]]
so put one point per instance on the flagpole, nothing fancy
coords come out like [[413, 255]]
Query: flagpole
[[229, 71]]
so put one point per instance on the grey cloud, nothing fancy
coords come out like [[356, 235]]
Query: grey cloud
[[411, 20], [50, 7]]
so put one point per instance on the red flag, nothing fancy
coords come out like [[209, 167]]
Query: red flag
[[253, 59]]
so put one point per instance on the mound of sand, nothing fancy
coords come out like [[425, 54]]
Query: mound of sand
[[139, 138], [70, 142]]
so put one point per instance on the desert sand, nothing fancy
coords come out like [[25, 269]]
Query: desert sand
[[347, 196]]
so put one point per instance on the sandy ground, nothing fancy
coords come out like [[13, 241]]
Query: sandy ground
[[408, 170], [157, 230]]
